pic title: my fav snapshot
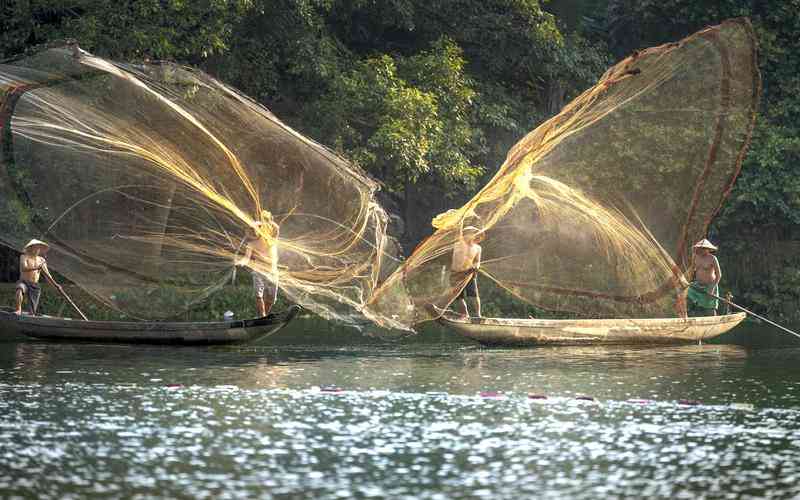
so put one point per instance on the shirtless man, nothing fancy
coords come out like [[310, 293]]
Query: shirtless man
[[31, 265], [265, 254], [467, 261], [706, 279]]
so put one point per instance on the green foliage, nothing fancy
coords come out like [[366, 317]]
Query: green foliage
[[126, 29], [15, 218], [767, 191], [404, 118]]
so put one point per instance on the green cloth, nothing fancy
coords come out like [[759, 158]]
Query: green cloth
[[698, 296]]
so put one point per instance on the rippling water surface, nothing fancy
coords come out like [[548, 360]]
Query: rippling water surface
[[399, 420]]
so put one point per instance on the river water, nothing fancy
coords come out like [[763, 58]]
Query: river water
[[413, 418]]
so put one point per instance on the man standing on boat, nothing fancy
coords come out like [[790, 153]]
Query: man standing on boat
[[466, 262], [31, 265], [264, 250], [707, 274]]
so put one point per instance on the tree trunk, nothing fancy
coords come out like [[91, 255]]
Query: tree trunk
[[556, 94]]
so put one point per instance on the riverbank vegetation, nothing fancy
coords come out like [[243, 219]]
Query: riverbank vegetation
[[429, 96]]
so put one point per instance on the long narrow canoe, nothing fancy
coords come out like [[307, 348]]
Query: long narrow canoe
[[534, 332], [155, 332]]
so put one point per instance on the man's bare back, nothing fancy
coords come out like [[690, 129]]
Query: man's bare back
[[263, 252], [466, 256]]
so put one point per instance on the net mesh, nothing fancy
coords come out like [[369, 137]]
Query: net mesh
[[595, 211], [145, 179]]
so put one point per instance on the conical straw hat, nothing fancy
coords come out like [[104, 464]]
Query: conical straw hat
[[34, 242], [704, 243]]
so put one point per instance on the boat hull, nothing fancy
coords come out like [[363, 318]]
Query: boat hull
[[534, 332], [133, 332]]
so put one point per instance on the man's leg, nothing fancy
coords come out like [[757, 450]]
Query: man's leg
[[471, 291], [270, 296], [268, 306], [464, 307], [260, 307], [260, 286], [680, 305], [34, 294], [19, 297]]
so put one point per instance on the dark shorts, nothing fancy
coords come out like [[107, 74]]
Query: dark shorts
[[471, 288], [695, 311], [32, 292]]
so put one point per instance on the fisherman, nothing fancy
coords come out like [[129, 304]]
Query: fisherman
[[31, 265], [466, 262], [265, 253], [706, 280]]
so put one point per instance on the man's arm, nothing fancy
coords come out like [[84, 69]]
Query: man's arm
[[47, 274], [248, 253], [717, 269]]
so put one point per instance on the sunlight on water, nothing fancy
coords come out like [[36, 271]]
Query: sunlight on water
[[443, 421]]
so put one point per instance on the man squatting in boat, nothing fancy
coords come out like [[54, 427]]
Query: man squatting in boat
[[31, 265], [707, 274], [264, 251], [467, 261]]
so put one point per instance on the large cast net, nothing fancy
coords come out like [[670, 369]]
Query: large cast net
[[145, 179], [595, 211]]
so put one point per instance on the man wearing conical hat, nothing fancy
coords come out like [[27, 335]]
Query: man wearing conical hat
[[706, 280], [31, 265], [464, 265]]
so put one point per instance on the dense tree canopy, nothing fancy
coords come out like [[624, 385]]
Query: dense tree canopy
[[426, 97]]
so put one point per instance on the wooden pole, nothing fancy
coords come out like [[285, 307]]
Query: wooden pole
[[66, 297]]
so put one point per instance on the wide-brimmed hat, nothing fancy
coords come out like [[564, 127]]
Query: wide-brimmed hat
[[704, 243], [471, 231], [34, 243]]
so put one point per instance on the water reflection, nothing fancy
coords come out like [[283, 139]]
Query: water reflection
[[95, 420], [713, 374]]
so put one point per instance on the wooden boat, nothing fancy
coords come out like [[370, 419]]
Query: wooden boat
[[534, 332], [154, 332]]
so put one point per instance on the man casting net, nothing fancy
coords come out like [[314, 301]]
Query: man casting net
[[595, 211], [146, 180]]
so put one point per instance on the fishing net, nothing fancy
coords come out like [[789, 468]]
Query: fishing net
[[146, 178], [595, 211]]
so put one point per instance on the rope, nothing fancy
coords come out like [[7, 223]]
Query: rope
[[751, 313]]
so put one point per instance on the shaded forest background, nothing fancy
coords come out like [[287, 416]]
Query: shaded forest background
[[428, 96]]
